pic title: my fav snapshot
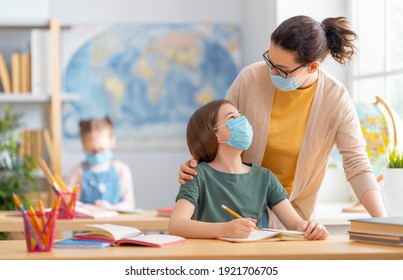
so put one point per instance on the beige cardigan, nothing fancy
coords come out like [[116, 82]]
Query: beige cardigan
[[332, 121]]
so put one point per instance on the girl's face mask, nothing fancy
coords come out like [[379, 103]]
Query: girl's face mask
[[241, 133], [98, 158]]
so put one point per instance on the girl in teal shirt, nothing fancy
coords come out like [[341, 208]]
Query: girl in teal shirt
[[216, 136]]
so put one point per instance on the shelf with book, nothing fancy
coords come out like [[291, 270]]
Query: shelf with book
[[17, 57], [31, 98], [24, 23]]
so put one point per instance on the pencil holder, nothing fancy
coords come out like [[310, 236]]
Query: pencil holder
[[67, 206], [39, 231]]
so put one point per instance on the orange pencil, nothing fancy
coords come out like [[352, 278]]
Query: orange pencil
[[52, 181], [73, 197], [35, 223], [235, 214], [35, 220], [42, 211], [47, 230]]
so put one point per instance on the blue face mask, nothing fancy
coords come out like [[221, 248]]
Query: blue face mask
[[241, 133], [98, 158], [285, 84]]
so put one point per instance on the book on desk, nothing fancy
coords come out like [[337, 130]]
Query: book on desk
[[85, 210], [164, 212], [71, 243], [117, 235], [384, 230], [266, 234]]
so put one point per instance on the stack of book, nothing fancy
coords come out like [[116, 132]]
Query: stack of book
[[20, 79], [164, 212], [31, 143], [84, 210], [387, 230]]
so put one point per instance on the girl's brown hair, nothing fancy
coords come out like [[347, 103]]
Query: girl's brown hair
[[87, 126], [200, 136], [312, 40]]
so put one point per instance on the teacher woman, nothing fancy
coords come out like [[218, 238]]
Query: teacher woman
[[299, 113]]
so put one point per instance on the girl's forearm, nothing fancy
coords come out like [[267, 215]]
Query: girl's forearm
[[195, 229]]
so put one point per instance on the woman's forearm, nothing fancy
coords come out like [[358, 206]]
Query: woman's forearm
[[373, 203]]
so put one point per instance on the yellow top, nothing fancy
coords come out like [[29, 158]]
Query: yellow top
[[288, 120]]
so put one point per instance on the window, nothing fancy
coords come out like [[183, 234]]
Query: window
[[378, 66]]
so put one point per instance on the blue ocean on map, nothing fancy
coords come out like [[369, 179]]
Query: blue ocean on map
[[149, 78]]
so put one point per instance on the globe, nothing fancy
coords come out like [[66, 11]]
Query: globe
[[378, 131]]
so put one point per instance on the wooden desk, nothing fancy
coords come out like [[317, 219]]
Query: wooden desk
[[335, 247], [147, 221]]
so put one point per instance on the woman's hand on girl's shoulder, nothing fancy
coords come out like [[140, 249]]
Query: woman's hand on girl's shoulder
[[187, 171]]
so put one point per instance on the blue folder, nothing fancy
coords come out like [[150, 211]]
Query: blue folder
[[80, 244]]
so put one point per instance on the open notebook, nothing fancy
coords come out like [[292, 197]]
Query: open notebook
[[266, 234]]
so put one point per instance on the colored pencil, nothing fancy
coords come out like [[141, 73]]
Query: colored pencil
[[28, 222], [235, 214]]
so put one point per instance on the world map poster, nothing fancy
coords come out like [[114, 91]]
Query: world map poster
[[149, 78]]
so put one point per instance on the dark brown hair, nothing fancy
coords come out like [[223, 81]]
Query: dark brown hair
[[87, 126], [200, 136], [312, 40]]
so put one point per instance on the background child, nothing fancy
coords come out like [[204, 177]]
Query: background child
[[216, 136], [104, 181]]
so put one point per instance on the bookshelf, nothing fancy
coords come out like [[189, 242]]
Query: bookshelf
[[52, 102], [26, 98]]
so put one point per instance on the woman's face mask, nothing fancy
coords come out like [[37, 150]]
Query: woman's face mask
[[286, 84]]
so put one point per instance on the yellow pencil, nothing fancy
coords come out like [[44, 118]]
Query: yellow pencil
[[60, 183], [235, 214]]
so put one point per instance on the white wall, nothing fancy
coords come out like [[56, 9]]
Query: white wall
[[88, 11], [258, 22]]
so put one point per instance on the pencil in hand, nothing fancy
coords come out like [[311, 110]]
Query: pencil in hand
[[235, 214]]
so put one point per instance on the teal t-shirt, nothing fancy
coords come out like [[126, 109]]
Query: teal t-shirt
[[247, 194]]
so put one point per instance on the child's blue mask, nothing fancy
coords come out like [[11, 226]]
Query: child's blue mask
[[241, 133], [98, 158]]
